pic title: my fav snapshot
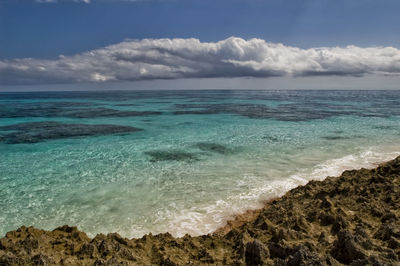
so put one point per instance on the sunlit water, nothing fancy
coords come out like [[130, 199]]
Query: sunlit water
[[227, 151]]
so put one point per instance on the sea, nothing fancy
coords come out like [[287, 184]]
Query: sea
[[184, 162]]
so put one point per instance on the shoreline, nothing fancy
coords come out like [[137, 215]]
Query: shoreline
[[352, 218]]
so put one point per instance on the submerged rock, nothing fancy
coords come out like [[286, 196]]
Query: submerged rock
[[283, 112], [66, 109], [41, 131], [335, 137], [171, 155], [321, 223], [213, 147]]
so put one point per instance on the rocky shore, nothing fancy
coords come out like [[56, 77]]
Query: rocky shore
[[352, 219]]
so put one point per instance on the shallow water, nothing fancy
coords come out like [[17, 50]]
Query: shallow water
[[179, 161]]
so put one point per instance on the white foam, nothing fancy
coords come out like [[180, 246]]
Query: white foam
[[204, 220], [335, 167]]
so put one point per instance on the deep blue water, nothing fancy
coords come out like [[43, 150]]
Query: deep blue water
[[135, 162]]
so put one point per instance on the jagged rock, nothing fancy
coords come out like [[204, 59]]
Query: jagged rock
[[346, 249], [303, 256], [88, 249], [323, 222], [255, 253], [322, 239], [167, 262], [10, 259], [389, 216], [30, 243], [339, 224], [386, 231], [278, 250], [42, 260], [393, 243]]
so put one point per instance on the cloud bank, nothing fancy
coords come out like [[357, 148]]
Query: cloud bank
[[146, 59]]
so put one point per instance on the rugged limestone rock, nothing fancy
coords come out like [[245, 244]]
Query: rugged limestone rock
[[353, 219]]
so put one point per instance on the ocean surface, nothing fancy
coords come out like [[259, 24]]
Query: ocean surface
[[135, 162]]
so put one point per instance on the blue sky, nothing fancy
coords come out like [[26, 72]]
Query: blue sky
[[30, 29]]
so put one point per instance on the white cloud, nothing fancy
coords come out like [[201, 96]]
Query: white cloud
[[46, 1], [189, 58]]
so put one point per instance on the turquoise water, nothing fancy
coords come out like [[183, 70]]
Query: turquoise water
[[178, 161]]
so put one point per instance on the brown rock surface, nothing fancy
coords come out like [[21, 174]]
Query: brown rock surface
[[352, 219]]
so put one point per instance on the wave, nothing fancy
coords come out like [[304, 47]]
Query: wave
[[198, 221]]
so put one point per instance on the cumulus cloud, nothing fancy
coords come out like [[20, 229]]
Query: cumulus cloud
[[46, 1], [189, 58]]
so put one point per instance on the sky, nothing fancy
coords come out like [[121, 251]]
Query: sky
[[100, 44]]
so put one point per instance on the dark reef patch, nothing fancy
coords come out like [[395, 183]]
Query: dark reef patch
[[186, 123], [65, 109], [335, 137], [385, 127], [126, 104], [283, 112], [214, 147], [41, 131], [105, 112], [171, 155], [300, 110], [40, 109], [343, 137], [271, 138]]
